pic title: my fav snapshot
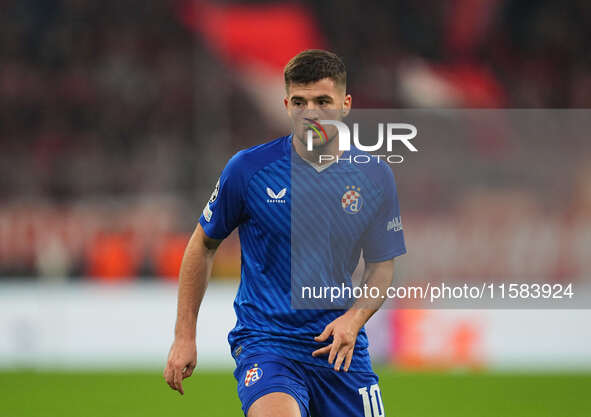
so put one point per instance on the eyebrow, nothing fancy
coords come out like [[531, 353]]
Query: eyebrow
[[322, 97]]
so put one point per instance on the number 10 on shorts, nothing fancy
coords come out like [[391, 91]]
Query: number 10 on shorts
[[375, 408]]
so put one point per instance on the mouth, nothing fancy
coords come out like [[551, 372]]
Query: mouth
[[316, 128]]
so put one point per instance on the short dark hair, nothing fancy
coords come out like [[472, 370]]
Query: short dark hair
[[313, 65]]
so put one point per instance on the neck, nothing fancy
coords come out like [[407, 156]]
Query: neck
[[313, 156]]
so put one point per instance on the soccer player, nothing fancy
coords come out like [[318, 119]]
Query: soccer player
[[286, 204]]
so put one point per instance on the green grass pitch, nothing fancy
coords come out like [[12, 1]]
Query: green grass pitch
[[212, 394]]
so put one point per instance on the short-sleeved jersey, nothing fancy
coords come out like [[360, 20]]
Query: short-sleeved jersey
[[289, 212]]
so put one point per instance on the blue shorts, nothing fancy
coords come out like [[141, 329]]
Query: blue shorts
[[319, 391]]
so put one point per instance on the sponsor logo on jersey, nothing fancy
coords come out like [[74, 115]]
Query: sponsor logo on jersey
[[395, 224], [276, 197], [351, 201], [253, 375]]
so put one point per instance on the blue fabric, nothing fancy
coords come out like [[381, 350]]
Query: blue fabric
[[292, 225], [319, 391]]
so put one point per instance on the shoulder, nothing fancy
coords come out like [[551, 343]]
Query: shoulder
[[248, 161], [256, 157]]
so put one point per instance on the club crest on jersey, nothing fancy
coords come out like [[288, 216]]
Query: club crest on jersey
[[351, 201], [253, 375]]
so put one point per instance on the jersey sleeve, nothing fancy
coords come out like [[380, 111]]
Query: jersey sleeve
[[225, 209], [384, 238]]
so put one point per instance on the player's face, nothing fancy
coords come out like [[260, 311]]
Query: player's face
[[321, 100]]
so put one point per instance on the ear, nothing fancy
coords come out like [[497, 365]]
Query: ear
[[285, 101], [347, 104]]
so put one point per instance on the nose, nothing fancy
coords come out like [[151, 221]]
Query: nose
[[311, 112]]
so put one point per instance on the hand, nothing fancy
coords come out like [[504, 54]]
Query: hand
[[182, 359], [344, 331]]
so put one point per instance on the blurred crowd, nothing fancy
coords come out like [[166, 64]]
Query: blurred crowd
[[116, 118], [505, 53], [96, 98]]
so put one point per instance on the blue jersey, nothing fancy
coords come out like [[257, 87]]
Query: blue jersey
[[287, 213]]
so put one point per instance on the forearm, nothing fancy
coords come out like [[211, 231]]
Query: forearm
[[376, 275], [193, 277]]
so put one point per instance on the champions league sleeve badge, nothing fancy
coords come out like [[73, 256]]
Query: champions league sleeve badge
[[214, 194]]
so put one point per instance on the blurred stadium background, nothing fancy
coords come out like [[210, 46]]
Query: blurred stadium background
[[116, 118]]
